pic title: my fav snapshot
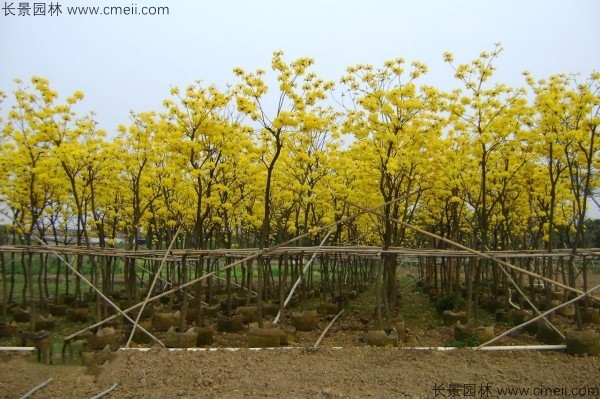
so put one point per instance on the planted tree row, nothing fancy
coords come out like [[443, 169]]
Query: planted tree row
[[487, 165]]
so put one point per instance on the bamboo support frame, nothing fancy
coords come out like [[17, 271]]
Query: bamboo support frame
[[365, 251], [484, 255], [543, 315], [99, 292], [289, 297], [162, 263], [240, 261]]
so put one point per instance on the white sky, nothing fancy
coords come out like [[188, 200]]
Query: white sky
[[125, 63]]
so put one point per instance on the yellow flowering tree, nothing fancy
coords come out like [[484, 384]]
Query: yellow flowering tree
[[296, 98], [138, 154], [491, 119], [205, 140], [395, 124]]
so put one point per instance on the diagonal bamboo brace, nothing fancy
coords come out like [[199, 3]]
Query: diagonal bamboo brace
[[473, 251]]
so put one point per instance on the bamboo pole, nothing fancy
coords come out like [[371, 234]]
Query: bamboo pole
[[17, 348], [316, 345], [473, 251], [297, 283], [562, 305], [399, 348], [247, 258], [488, 348], [36, 388], [120, 312], [105, 392], [156, 277]]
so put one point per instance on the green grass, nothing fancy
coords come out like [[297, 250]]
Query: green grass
[[417, 310]]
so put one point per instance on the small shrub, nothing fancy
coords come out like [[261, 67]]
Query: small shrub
[[463, 343], [450, 302]]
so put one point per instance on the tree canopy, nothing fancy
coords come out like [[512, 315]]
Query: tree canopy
[[486, 164]]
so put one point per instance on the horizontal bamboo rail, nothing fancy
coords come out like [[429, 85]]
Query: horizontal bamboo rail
[[374, 251], [250, 256], [486, 255]]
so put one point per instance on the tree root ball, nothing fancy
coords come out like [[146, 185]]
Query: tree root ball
[[400, 326], [582, 342], [230, 324], [288, 335], [327, 308], [305, 321], [165, 320], [567, 311], [267, 337], [450, 317], [503, 315], [381, 338], [21, 315], [590, 315], [205, 335], [139, 336], [8, 330], [248, 313], [463, 332], [57, 309], [176, 339], [80, 314], [210, 311], [520, 316], [270, 309], [42, 322], [483, 334], [105, 336], [547, 335]]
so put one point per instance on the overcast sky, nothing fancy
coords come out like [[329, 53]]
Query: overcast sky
[[129, 62]]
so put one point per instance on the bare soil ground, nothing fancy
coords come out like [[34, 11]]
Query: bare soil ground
[[354, 372], [342, 367]]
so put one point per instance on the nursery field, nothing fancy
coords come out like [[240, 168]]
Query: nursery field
[[335, 242], [343, 365]]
